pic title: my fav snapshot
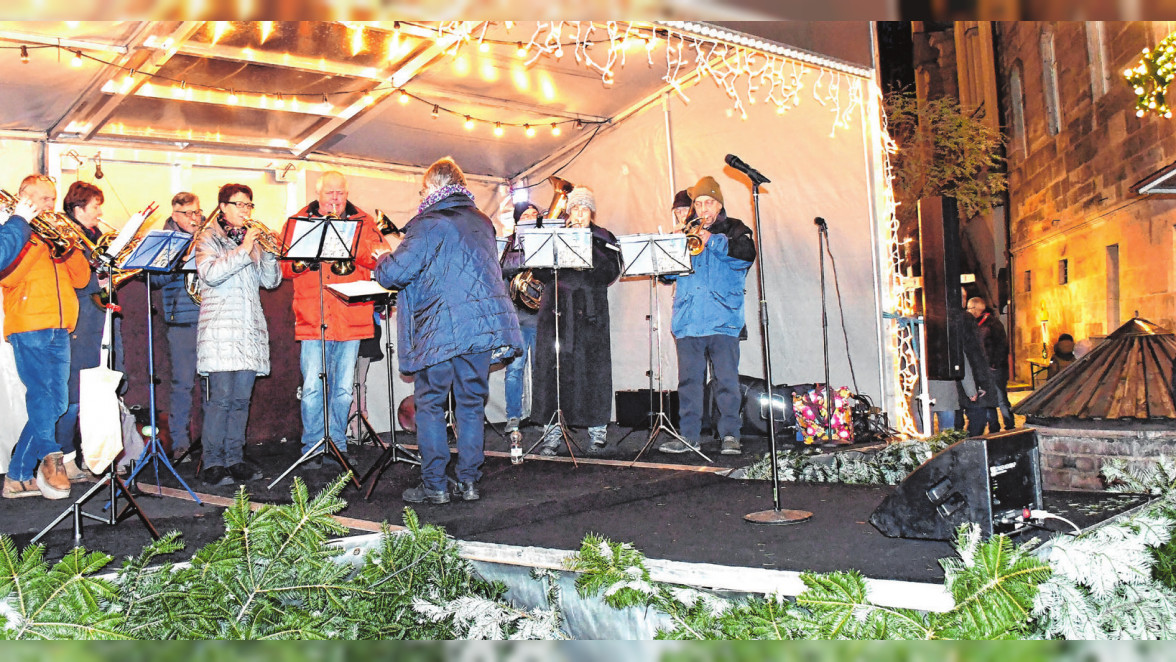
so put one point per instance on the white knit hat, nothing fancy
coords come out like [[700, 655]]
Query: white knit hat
[[582, 195]]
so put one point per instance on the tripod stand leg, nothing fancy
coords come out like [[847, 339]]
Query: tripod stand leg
[[117, 486], [366, 430]]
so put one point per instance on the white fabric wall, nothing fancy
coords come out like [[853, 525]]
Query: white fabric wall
[[813, 174]]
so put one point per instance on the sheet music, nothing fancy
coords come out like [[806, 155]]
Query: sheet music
[[309, 233], [359, 288]]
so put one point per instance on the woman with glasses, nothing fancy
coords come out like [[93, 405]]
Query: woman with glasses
[[232, 339], [585, 353]]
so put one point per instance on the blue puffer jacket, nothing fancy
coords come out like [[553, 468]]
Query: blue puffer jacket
[[178, 307], [709, 301], [452, 298]]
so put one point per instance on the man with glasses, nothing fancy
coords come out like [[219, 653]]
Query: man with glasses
[[708, 319], [40, 311], [346, 324], [180, 315]]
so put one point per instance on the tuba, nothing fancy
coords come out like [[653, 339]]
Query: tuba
[[525, 289]]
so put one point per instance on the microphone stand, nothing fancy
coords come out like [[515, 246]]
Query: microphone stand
[[776, 515], [822, 240]]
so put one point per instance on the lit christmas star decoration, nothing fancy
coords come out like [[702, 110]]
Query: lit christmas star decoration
[[1151, 77]]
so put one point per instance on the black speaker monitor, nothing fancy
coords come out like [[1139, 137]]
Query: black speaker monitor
[[939, 246], [986, 480]]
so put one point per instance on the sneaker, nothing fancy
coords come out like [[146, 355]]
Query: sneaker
[[731, 446], [421, 494], [76, 474], [245, 470], [466, 491], [512, 424], [15, 489], [676, 446], [216, 477], [51, 477]]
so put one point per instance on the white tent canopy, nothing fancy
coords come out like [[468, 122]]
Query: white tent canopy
[[188, 105]]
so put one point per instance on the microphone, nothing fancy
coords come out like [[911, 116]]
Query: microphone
[[820, 223], [738, 164]]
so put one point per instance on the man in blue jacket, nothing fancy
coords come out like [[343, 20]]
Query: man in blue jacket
[[15, 232], [180, 315], [454, 317], [708, 320]]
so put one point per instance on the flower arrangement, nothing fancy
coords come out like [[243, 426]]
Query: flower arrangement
[[812, 419]]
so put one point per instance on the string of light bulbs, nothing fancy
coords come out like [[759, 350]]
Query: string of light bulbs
[[183, 89]]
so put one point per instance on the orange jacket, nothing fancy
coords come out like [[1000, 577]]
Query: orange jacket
[[344, 321], [39, 292]]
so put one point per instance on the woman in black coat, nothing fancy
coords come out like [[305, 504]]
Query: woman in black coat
[[585, 353]]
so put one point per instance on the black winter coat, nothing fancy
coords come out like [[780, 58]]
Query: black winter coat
[[967, 334], [585, 345], [996, 344], [452, 298]]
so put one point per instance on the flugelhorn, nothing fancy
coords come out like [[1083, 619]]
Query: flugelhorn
[[268, 241], [54, 229], [693, 242]]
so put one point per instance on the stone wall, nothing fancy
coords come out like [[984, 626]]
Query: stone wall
[[1071, 459], [1070, 193]]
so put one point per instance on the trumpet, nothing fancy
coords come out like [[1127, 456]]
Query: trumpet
[[268, 241], [693, 241]]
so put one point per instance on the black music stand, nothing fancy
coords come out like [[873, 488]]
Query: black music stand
[[317, 240], [557, 248], [111, 479], [652, 256], [157, 252]]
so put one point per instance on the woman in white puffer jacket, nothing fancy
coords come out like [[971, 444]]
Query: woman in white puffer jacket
[[232, 340]]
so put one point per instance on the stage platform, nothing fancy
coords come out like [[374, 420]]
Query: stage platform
[[686, 513]]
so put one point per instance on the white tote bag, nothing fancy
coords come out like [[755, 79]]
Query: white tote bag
[[99, 408]]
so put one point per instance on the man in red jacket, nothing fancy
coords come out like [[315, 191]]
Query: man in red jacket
[[345, 324]]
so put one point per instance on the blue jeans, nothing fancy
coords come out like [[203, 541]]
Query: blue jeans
[[225, 416], [515, 372], [181, 346], [723, 352], [42, 362], [341, 355], [469, 378]]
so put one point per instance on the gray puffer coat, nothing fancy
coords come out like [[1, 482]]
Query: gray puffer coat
[[232, 332]]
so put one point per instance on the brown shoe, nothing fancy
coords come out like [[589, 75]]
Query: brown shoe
[[51, 477], [76, 474], [15, 489]]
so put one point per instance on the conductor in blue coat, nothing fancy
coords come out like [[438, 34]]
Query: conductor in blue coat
[[454, 318]]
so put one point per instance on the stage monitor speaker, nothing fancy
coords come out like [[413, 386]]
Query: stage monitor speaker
[[633, 408], [986, 480], [939, 246]]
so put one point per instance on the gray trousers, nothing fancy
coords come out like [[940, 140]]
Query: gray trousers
[[723, 352], [225, 417], [181, 346]]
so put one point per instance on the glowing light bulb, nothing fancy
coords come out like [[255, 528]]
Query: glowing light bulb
[[529, 130], [279, 102], [232, 97], [483, 47], [77, 59], [509, 24], [555, 130], [497, 130], [403, 97], [368, 99], [436, 111], [520, 50], [24, 54], [469, 123]]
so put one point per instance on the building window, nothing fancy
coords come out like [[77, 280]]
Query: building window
[[1112, 287], [1096, 53], [1028, 281], [1017, 99], [1049, 83], [1063, 272]]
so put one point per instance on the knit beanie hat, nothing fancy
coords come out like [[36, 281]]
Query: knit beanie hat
[[582, 195], [521, 207], [681, 199], [706, 186]]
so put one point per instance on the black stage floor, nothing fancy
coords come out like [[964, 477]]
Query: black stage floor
[[670, 513]]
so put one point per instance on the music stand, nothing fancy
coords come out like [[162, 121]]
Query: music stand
[[653, 256], [557, 248], [109, 478], [317, 240], [157, 252]]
